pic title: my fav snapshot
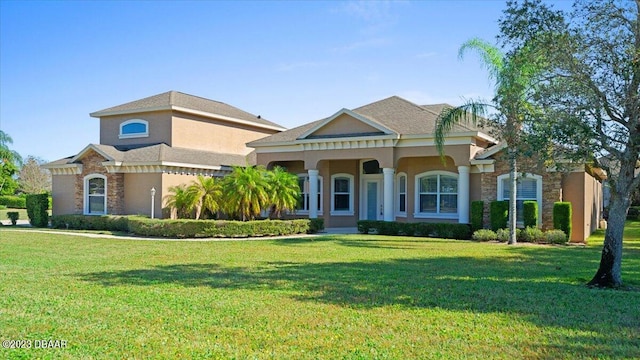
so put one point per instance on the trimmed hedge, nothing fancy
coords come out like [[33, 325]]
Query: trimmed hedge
[[499, 214], [477, 214], [37, 206], [13, 216], [423, 229], [562, 217], [530, 213], [187, 228], [14, 202]]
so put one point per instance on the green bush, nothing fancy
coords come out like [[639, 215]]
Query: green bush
[[484, 235], [503, 234], [13, 216], [555, 237], [37, 206], [633, 213], [3, 207], [216, 228], [90, 222], [316, 225], [530, 213], [13, 202], [436, 230], [562, 217], [532, 235], [499, 214], [477, 214]]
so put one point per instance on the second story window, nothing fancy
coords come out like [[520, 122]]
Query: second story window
[[134, 128]]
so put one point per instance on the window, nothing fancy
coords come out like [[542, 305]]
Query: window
[[401, 194], [134, 128], [303, 201], [342, 194], [95, 199], [437, 194], [529, 188]]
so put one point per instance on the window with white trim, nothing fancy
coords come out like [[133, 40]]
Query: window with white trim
[[436, 194], [134, 128], [529, 188], [342, 194], [401, 194], [95, 194], [303, 201]]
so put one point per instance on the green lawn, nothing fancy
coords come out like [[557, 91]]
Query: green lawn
[[346, 297]]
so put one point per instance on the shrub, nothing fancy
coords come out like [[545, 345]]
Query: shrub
[[531, 234], [37, 206], [633, 213], [562, 217], [530, 214], [439, 230], [503, 234], [316, 225], [477, 214], [13, 216], [484, 235], [216, 228], [85, 222], [555, 237], [14, 202], [499, 214]]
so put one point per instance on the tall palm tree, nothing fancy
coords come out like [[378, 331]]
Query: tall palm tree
[[513, 76], [180, 201], [7, 155], [207, 194], [246, 191], [284, 190]]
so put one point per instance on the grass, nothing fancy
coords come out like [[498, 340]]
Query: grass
[[349, 297]]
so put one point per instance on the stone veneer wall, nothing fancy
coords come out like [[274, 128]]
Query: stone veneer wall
[[551, 187], [92, 164]]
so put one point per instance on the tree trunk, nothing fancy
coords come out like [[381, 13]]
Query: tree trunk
[[609, 274], [513, 187]]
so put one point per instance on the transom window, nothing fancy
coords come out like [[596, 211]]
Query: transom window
[[437, 194], [95, 199], [303, 201], [342, 194], [134, 128], [529, 188], [401, 195]]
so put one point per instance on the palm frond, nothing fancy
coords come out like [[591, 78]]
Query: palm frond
[[470, 112]]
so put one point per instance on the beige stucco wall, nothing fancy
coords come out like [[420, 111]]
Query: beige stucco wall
[[63, 193], [328, 168], [345, 124], [585, 194], [195, 132], [137, 193], [159, 128]]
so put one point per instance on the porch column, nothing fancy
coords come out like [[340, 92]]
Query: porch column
[[313, 193], [388, 193], [463, 194]]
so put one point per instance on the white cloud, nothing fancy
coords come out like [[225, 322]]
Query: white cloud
[[367, 10]]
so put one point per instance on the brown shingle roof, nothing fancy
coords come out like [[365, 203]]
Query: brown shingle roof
[[172, 99]]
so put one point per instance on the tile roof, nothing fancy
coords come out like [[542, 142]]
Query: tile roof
[[173, 99], [395, 113]]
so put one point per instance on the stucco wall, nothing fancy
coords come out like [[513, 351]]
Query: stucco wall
[[326, 170], [345, 124], [159, 128], [137, 193], [63, 193], [585, 194]]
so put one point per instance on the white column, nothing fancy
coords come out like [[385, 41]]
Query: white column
[[388, 193], [313, 194], [463, 194]]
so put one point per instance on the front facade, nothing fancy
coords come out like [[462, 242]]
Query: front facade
[[379, 162], [153, 143]]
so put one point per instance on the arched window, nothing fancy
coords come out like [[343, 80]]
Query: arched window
[[342, 194], [401, 194], [95, 194], [529, 188], [436, 195], [134, 128], [303, 202]]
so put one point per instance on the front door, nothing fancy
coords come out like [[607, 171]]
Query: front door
[[372, 200]]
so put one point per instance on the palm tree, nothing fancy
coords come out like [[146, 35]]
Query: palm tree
[[207, 193], [513, 77], [284, 190], [181, 201], [7, 155], [246, 191]]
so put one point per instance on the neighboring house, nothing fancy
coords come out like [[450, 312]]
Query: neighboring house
[[156, 142], [379, 161]]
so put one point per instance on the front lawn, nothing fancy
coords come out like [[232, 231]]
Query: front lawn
[[352, 297]]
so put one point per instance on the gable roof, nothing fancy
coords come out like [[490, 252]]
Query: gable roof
[[174, 100], [394, 114]]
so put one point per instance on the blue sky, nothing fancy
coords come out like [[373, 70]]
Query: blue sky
[[290, 62]]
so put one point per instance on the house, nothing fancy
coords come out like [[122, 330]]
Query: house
[[380, 162], [153, 143]]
